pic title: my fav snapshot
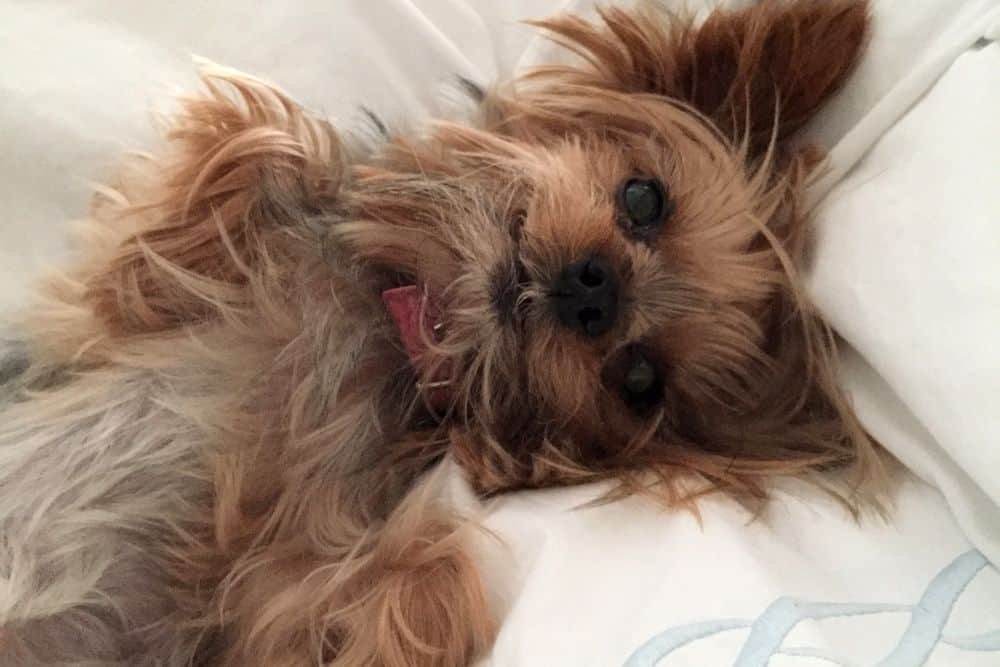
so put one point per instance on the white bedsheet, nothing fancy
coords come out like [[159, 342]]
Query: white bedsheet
[[907, 270]]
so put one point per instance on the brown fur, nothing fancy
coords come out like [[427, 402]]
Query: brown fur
[[244, 272]]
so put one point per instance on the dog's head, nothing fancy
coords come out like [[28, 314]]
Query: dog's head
[[607, 264]]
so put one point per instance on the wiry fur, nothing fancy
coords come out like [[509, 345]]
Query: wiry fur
[[213, 449]]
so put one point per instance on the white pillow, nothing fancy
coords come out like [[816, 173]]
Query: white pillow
[[908, 271]]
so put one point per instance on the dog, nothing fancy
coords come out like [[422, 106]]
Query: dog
[[220, 427]]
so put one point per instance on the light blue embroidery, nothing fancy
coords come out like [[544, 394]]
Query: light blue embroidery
[[770, 629], [931, 613], [667, 642], [767, 633]]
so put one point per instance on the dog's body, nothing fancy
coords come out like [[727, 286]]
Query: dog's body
[[216, 436]]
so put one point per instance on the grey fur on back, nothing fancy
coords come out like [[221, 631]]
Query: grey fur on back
[[90, 467]]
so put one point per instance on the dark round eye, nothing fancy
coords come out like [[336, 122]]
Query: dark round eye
[[642, 385], [645, 203], [640, 378]]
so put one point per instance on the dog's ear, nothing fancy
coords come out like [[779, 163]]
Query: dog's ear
[[757, 72], [198, 230]]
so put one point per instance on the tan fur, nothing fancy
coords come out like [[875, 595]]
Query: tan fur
[[218, 453]]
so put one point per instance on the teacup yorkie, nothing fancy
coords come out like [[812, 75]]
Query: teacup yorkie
[[217, 430]]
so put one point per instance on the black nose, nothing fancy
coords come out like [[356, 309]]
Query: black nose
[[586, 296]]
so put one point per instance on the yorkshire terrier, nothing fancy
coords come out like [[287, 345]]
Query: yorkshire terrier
[[218, 429]]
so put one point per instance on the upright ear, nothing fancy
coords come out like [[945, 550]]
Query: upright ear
[[245, 168], [756, 72]]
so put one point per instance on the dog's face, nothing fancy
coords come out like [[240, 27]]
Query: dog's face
[[597, 292], [610, 260]]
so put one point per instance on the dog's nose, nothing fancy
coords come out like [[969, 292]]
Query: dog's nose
[[586, 296]]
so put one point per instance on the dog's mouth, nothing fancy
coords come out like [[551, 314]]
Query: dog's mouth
[[417, 320]]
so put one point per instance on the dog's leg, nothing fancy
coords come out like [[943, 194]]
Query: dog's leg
[[399, 592], [247, 172]]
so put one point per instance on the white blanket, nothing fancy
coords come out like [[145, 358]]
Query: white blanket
[[907, 270]]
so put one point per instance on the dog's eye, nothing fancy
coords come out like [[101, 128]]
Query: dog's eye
[[645, 204], [640, 378], [642, 385]]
